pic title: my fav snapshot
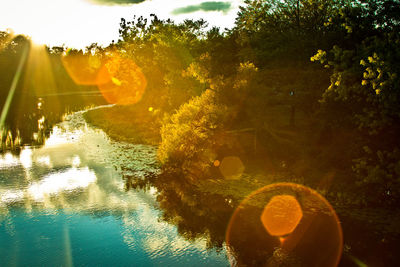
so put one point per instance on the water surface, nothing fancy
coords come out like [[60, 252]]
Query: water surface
[[66, 204]]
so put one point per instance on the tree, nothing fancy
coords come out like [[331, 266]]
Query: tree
[[290, 29], [365, 82], [163, 50]]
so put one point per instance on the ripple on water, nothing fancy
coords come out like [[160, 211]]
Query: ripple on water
[[73, 186]]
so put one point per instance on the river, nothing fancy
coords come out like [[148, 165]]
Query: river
[[66, 204]]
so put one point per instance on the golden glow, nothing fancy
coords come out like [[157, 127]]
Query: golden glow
[[14, 84], [84, 69], [121, 81], [39, 75], [281, 215], [231, 167], [7, 39], [38, 81], [116, 81]]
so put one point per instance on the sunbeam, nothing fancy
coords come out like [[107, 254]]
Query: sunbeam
[[39, 73], [67, 247], [38, 81], [14, 84]]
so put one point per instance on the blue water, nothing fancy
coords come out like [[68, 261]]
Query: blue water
[[61, 239], [64, 204]]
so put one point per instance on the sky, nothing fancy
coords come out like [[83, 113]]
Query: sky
[[78, 23]]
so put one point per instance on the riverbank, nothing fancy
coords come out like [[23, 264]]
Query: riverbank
[[282, 153], [135, 124], [285, 153]]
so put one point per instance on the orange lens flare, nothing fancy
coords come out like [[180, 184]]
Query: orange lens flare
[[83, 68], [119, 79], [284, 224], [281, 215], [125, 84]]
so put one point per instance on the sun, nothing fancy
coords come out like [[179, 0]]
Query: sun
[[37, 40]]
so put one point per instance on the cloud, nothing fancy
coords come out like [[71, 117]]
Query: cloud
[[116, 2], [205, 6]]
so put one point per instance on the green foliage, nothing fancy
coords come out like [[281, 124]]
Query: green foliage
[[130, 123], [368, 76], [365, 87], [290, 29], [191, 136], [163, 50]]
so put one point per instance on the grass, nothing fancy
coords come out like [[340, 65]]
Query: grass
[[133, 123]]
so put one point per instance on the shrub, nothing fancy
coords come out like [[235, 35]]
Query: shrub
[[191, 137]]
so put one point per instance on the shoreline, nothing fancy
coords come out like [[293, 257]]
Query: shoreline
[[125, 123]]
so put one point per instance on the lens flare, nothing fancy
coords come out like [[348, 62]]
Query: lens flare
[[231, 167], [281, 215], [125, 84], [118, 78], [284, 224], [83, 68]]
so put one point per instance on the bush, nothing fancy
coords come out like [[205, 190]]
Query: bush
[[191, 137]]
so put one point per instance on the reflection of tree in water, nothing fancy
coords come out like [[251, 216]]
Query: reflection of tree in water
[[195, 213], [44, 92], [199, 214], [33, 122]]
